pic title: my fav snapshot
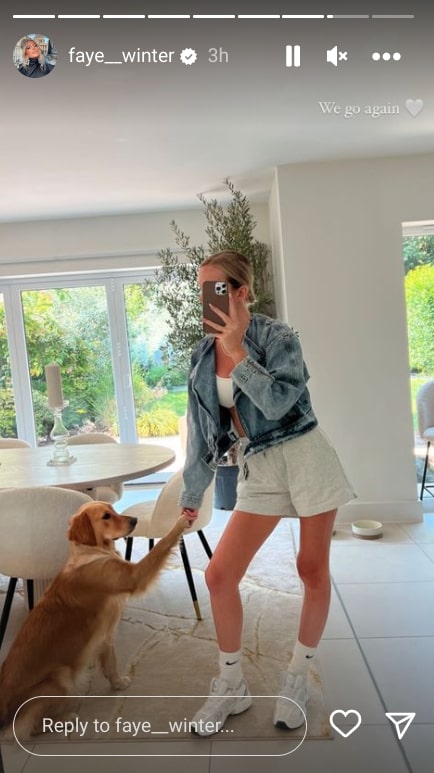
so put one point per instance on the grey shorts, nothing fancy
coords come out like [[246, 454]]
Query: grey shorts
[[297, 478]]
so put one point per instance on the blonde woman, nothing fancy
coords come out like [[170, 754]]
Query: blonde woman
[[33, 64], [248, 380]]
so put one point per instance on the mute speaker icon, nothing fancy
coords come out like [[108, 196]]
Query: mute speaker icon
[[334, 56]]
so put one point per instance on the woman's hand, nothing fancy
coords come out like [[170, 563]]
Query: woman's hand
[[233, 328]]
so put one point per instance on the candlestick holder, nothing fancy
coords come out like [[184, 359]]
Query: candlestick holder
[[60, 434]]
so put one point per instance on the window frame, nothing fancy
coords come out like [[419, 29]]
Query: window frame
[[113, 281]]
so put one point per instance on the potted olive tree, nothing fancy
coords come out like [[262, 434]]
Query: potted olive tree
[[228, 226]]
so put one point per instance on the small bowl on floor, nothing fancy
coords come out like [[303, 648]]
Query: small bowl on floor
[[367, 529]]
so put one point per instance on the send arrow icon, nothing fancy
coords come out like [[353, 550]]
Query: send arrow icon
[[402, 721]]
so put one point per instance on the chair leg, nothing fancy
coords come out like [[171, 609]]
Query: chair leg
[[205, 544], [30, 594], [185, 561], [7, 607], [425, 469], [189, 575], [128, 548]]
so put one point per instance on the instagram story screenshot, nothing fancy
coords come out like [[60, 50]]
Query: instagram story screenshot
[[216, 294]]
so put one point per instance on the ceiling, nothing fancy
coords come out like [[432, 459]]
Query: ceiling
[[138, 137]]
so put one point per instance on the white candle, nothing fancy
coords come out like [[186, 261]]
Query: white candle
[[54, 386]]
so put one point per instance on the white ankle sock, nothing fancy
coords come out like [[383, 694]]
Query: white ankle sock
[[230, 667], [301, 659]]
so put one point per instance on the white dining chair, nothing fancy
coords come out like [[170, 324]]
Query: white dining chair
[[156, 518], [13, 442], [34, 546], [107, 493]]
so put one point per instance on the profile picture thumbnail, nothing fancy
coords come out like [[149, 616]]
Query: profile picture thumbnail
[[35, 55]]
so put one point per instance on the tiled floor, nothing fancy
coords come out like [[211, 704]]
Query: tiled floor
[[376, 656]]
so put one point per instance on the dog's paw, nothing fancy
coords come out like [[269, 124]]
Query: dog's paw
[[121, 683]]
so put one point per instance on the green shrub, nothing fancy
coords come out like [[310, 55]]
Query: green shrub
[[156, 375], [8, 425], [44, 419], [142, 392], [158, 422], [176, 377], [419, 290]]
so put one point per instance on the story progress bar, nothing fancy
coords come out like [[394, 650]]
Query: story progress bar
[[241, 16]]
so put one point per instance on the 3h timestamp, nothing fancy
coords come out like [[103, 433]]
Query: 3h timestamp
[[218, 56]]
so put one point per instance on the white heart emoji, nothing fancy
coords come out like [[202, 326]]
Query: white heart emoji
[[414, 106], [347, 732]]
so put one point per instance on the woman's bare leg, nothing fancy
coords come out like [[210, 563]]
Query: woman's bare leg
[[242, 538], [313, 567]]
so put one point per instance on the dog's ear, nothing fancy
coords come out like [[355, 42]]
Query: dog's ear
[[81, 530]]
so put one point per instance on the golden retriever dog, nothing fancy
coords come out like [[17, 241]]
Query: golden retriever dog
[[72, 625]]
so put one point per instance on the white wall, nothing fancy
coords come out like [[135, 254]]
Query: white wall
[[276, 244], [100, 243], [341, 263]]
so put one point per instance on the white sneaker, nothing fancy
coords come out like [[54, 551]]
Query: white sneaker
[[289, 714], [223, 701]]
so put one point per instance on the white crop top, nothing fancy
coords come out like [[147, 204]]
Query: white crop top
[[225, 392]]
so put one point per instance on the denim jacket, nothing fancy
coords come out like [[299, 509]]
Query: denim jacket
[[270, 396]]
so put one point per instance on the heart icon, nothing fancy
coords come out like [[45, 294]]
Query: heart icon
[[347, 732], [414, 106]]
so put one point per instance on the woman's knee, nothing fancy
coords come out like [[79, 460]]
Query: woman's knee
[[219, 579], [313, 574]]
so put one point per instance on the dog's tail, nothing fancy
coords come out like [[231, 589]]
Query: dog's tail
[[147, 570]]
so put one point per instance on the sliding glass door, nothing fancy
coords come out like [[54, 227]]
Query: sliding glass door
[[108, 338], [8, 425], [70, 326], [159, 386]]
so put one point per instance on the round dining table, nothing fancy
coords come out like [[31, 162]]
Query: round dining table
[[95, 465]]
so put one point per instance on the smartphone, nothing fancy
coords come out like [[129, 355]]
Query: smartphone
[[216, 294]]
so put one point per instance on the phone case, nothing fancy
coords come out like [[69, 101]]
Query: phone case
[[215, 293]]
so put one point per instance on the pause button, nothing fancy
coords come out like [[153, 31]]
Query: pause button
[[293, 56]]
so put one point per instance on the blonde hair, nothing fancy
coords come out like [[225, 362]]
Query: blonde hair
[[236, 267], [25, 59]]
